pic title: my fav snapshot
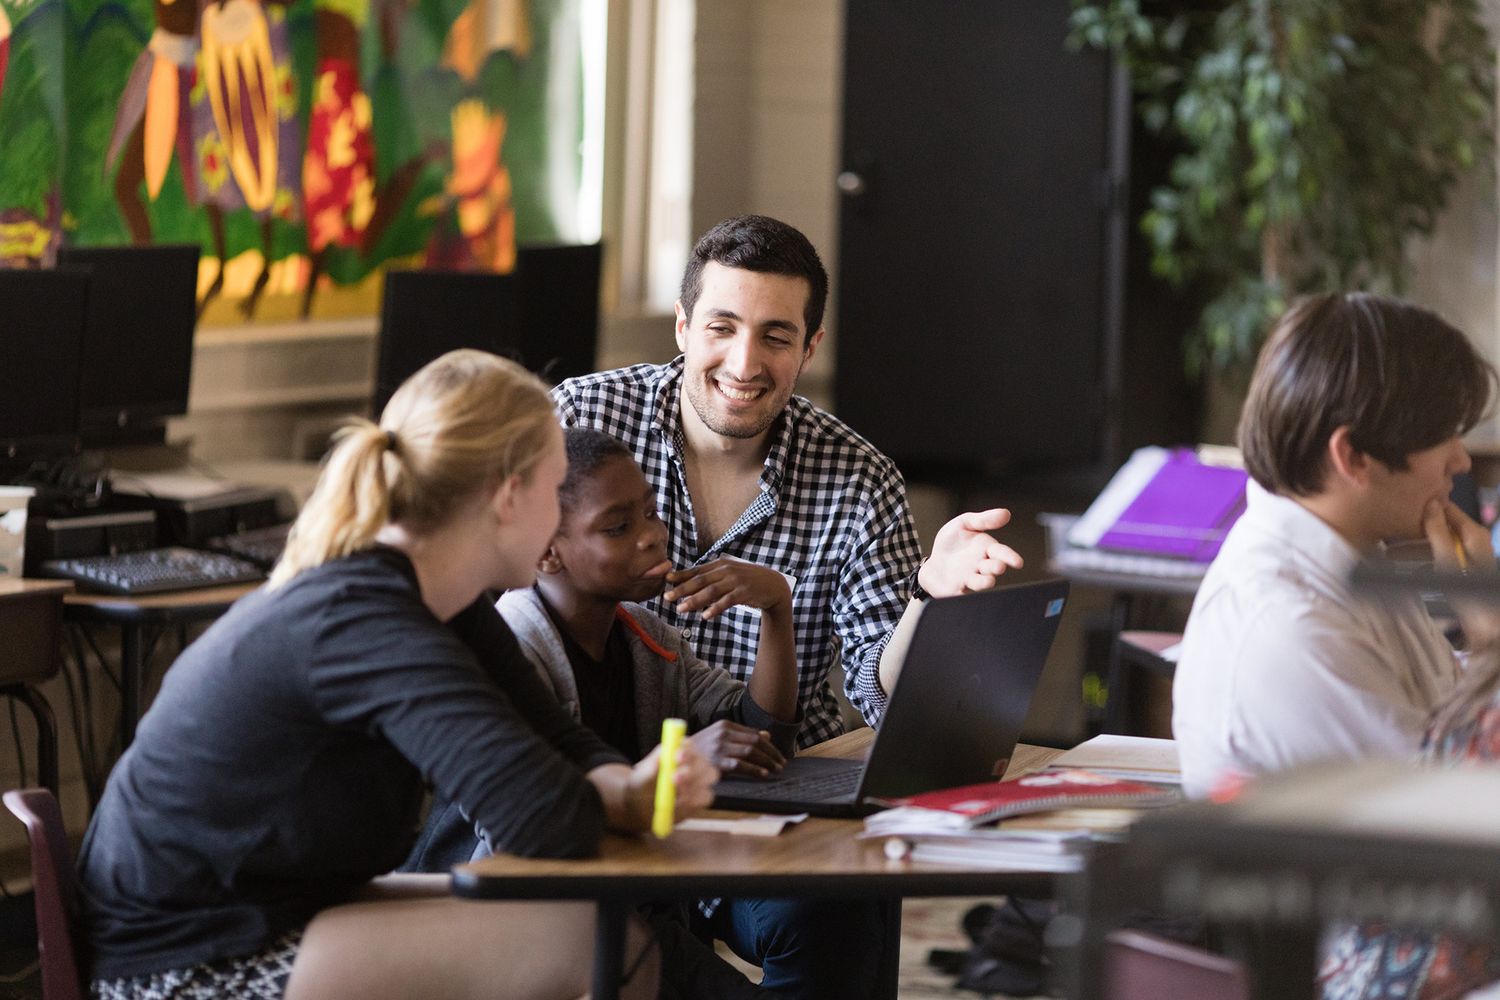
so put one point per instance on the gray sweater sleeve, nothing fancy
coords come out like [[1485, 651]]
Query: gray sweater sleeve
[[714, 695]]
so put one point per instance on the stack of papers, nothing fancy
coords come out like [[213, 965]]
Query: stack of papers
[[1100, 824], [1126, 758], [1092, 792], [1001, 850]]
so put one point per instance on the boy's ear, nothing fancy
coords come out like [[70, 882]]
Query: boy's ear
[[551, 561], [1345, 461]]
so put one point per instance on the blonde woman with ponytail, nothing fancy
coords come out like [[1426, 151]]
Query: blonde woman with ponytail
[[238, 848]]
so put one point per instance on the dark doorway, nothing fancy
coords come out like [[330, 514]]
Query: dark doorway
[[981, 236]]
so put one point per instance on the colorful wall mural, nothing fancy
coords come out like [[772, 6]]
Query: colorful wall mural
[[304, 144]]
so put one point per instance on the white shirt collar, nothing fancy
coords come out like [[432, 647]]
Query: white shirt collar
[[1313, 538]]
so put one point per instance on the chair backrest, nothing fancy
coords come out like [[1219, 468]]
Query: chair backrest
[[426, 313], [1142, 966], [557, 307], [55, 888]]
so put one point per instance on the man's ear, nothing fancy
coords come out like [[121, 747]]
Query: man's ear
[[680, 328], [811, 349], [1345, 461]]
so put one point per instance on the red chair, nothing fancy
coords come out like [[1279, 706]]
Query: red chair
[[54, 888], [1142, 966]]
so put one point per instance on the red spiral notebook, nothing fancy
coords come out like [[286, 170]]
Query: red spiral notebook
[[1064, 788]]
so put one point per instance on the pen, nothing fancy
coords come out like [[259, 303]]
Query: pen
[[672, 732], [1463, 557]]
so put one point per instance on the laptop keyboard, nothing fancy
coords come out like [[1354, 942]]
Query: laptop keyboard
[[819, 786]]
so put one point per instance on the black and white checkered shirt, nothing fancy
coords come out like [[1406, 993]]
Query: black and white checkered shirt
[[831, 513]]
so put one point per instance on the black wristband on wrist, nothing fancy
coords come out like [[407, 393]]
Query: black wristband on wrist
[[918, 592]]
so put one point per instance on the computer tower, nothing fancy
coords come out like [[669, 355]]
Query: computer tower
[[193, 521]]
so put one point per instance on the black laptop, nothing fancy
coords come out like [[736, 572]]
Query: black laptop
[[964, 690]]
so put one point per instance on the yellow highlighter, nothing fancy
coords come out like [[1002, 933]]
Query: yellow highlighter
[[672, 733]]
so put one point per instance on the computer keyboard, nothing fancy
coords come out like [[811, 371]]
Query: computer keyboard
[[261, 546], [154, 571], [816, 786], [1102, 561]]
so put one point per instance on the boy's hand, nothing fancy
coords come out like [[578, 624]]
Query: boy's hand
[[738, 749], [716, 587], [1449, 530]]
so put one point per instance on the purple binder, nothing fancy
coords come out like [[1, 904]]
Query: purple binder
[[1184, 511]]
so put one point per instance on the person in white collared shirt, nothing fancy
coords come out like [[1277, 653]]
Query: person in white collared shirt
[[1350, 432]]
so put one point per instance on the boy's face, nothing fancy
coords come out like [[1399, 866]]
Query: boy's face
[[611, 545], [1398, 497]]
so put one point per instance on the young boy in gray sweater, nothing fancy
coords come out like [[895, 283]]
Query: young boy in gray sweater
[[614, 664]]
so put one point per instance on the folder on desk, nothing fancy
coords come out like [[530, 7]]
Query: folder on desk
[[1165, 503]]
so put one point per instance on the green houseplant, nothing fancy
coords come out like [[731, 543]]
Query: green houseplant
[[1311, 139]]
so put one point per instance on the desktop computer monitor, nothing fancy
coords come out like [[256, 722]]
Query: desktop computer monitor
[[558, 308], [427, 313], [138, 342], [41, 344]]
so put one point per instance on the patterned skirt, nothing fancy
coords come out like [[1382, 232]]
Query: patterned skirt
[[261, 976]]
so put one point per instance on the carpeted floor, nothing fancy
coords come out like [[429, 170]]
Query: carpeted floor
[[927, 924]]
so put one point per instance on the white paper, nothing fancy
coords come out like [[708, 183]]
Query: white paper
[[13, 501], [945, 854], [753, 826], [1121, 491], [993, 849], [791, 582], [184, 485], [914, 819], [1133, 758]]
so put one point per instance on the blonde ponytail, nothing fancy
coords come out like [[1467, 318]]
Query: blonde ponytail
[[466, 422]]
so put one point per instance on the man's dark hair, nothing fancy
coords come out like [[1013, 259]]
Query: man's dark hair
[[587, 450], [759, 243], [1397, 375]]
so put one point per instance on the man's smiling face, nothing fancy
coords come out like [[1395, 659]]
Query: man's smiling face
[[745, 346]]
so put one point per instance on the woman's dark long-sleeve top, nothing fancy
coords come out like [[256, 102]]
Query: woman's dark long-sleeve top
[[668, 680], [282, 765]]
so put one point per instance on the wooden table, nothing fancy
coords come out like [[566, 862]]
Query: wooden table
[[132, 615], [817, 857], [30, 626]]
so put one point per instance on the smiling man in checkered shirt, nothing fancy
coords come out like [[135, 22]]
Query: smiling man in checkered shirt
[[743, 469]]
